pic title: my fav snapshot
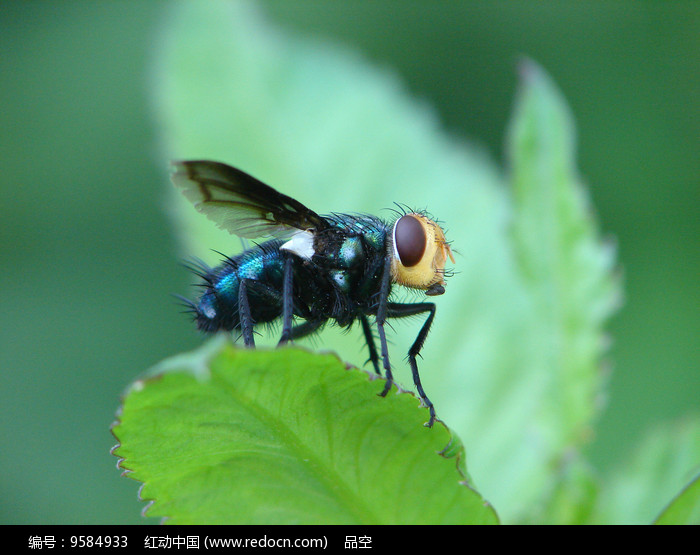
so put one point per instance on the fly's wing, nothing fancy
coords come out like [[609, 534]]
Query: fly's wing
[[239, 203]]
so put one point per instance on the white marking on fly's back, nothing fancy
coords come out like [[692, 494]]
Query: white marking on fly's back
[[301, 244]]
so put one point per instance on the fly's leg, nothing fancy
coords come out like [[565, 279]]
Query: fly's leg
[[246, 322], [370, 273], [397, 310], [244, 316], [381, 319], [307, 328], [289, 332], [369, 339], [287, 302]]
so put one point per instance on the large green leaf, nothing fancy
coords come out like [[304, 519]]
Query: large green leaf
[[568, 277], [227, 435], [537, 341], [566, 269], [513, 359]]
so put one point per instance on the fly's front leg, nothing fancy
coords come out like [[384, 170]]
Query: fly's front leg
[[397, 310], [381, 319], [369, 339], [287, 302]]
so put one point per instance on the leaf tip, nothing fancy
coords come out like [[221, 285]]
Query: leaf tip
[[528, 69]]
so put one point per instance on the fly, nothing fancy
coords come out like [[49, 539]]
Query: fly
[[338, 267]]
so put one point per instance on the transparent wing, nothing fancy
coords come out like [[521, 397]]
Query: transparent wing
[[239, 203]]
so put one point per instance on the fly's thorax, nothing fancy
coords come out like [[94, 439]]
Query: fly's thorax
[[341, 280], [418, 253], [348, 261], [350, 252]]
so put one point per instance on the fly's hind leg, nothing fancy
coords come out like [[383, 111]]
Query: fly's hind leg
[[261, 291], [289, 331], [398, 310], [244, 316], [306, 328], [287, 302]]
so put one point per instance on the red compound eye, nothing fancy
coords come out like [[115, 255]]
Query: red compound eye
[[410, 240]]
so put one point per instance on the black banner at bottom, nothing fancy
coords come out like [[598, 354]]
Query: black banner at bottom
[[154, 539]]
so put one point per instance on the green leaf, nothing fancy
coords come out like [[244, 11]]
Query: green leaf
[[513, 358], [566, 276], [572, 497], [533, 404], [567, 270], [237, 436], [685, 507], [666, 460]]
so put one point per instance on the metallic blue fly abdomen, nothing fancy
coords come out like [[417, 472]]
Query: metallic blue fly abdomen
[[218, 306]]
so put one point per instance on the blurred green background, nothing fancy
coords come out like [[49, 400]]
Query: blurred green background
[[89, 257]]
